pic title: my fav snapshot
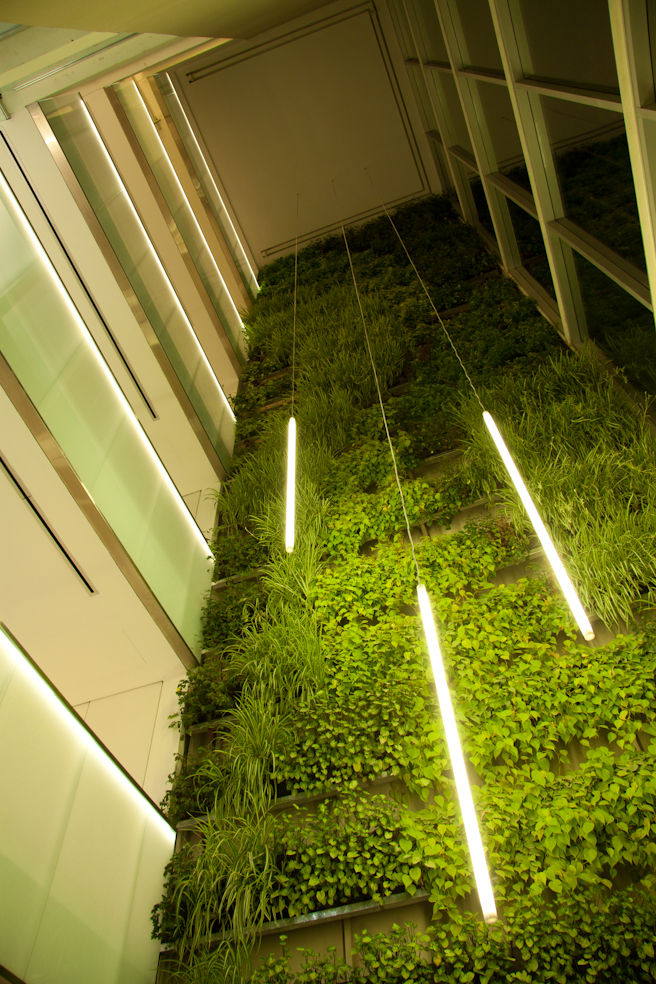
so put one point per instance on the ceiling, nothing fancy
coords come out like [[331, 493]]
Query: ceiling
[[185, 18], [314, 116]]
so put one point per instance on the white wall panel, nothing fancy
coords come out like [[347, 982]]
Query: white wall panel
[[81, 850]]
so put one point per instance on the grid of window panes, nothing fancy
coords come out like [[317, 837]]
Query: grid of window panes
[[558, 99]]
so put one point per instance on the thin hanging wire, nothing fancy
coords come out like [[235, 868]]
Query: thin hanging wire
[[298, 199], [380, 398], [430, 301]]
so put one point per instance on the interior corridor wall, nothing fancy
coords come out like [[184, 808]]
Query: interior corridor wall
[[81, 849]]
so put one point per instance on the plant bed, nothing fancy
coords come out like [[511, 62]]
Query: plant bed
[[226, 582], [330, 659], [292, 801]]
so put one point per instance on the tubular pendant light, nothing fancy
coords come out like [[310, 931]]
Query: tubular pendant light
[[472, 832], [291, 485], [562, 576], [290, 515]]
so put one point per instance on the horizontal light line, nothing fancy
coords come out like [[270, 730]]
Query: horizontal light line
[[467, 809], [153, 251], [209, 174], [547, 544], [85, 738], [291, 485], [89, 342], [190, 209]]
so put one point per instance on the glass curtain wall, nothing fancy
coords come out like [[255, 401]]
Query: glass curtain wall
[[51, 352], [565, 108], [82, 851], [207, 182], [160, 164], [107, 196]]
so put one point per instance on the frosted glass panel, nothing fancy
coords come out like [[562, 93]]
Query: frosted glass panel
[[103, 188], [81, 851], [207, 182], [162, 168], [53, 355]]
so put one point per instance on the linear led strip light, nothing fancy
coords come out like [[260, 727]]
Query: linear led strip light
[[472, 832], [88, 340], [562, 576], [182, 192], [291, 485], [50, 700], [172, 293], [209, 175]]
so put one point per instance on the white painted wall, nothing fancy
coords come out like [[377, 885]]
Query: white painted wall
[[289, 113], [103, 649]]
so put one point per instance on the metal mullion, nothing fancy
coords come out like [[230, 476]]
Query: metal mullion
[[630, 33], [438, 66], [475, 119], [569, 93], [520, 196], [463, 156], [483, 75], [443, 125], [540, 164], [628, 276]]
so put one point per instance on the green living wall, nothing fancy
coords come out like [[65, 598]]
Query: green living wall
[[315, 678]]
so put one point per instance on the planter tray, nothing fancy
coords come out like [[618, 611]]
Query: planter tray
[[273, 404], [204, 726], [225, 582], [398, 901], [301, 799], [322, 917], [330, 792]]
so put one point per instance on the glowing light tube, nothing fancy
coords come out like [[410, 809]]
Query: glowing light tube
[[291, 485], [192, 337], [474, 842], [562, 576]]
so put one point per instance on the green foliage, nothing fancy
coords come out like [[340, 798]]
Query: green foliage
[[593, 487], [584, 938], [226, 612], [370, 847], [205, 693], [325, 665], [236, 550]]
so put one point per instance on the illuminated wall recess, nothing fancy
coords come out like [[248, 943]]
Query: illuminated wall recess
[[52, 354], [82, 850]]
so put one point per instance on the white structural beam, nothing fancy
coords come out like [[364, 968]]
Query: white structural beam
[[441, 118], [635, 72], [540, 164], [486, 162]]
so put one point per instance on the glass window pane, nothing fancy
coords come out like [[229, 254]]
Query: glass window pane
[[51, 352], [129, 241], [446, 88], [81, 851], [480, 39], [531, 246], [594, 171], [500, 123], [620, 325], [183, 215], [428, 32], [480, 201], [420, 90], [570, 42]]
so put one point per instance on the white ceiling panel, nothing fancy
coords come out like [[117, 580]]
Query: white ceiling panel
[[292, 114]]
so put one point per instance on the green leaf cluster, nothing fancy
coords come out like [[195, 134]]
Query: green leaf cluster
[[326, 665]]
